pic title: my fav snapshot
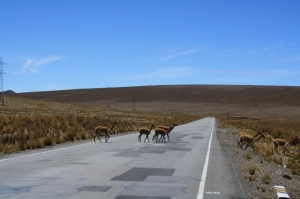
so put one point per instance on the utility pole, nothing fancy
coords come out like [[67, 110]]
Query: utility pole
[[67, 98], [228, 116], [2, 63], [108, 99], [133, 108]]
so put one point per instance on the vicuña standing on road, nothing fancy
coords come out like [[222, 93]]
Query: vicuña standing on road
[[162, 132], [105, 130], [168, 129], [145, 131]]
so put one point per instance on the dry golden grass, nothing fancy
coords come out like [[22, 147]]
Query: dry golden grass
[[30, 124], [252, 169], [248, 157], [286, 128], [263, 189], [272, 128], [252, 178], [266, 179]]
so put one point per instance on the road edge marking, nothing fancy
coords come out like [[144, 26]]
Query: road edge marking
[[204, 172], [50, 151]]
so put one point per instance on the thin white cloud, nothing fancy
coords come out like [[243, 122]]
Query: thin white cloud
[[239, 72], [275, 72], [47, 60], [35, 65], [180, 54], [287, 46], [170, 72], [265, 49]]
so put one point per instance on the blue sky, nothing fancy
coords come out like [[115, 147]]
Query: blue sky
[[71, 44]]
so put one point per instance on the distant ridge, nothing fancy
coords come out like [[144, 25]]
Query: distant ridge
[[9, 92], [223, 94], [198, 99]]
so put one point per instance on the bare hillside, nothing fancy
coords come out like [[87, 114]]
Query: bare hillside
[[253, 101]]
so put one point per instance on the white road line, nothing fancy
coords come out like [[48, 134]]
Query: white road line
[[59, 149], [204, 172]]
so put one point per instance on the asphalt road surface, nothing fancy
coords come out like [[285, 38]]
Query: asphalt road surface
[[192, 165]]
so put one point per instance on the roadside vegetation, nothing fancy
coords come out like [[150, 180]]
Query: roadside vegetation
[[30, 124], [272, 129], [258, 169]]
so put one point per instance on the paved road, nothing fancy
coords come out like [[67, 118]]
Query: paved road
[[192, 165]]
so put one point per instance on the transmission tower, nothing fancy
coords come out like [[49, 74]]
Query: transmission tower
[[2, 63]]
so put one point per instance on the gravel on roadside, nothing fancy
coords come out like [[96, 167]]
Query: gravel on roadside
[[261, 183]]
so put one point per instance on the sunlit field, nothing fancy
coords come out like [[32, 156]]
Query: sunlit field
[[29, 124]]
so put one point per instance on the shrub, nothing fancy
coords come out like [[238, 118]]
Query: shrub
[[56, 140], [1, 146], [292, 164], [22, 144], [7, 150], [34, 144], [252, 178], [267, 158], [263, 189], [296, 156], [69, 136], [296, 171], [252, 169], [39, 145], [278, 161], [47, 141], [248, 157], [266, 179], [83, 135]]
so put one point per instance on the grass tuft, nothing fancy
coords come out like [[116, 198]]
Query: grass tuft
[[248, 157], [47, 141], [252, 178], [253, 169], [266, 179], [278, 160]]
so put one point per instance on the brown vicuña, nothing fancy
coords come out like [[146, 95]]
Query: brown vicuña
[[241, 134], [168, 129], [105, 130], [249, 139], [145, 131], [162, 132], [284, 144]]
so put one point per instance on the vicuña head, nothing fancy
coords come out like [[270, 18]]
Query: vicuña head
[[294, 141]]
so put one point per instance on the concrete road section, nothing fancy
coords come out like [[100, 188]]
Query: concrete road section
[[192, 165]]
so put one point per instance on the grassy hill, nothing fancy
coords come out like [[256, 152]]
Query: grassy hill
[[38, 119], [215, 100]]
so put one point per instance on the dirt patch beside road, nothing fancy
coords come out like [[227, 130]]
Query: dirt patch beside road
[[261, 183]]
